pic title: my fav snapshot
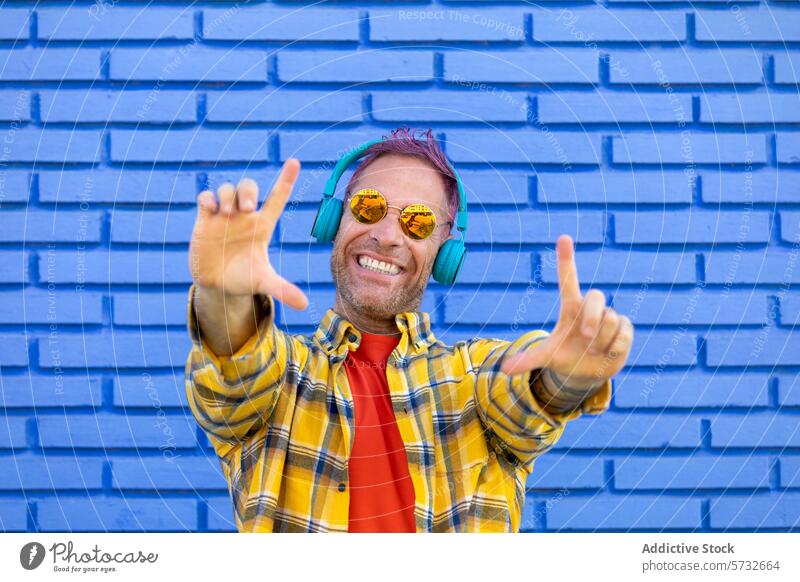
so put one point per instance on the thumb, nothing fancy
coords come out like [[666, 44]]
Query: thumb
[[531, 359], [284, 291]]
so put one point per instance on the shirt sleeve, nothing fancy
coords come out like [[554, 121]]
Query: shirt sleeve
[[232, 397], [514, 418]]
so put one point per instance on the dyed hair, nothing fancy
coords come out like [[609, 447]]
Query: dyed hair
[[403, 141]]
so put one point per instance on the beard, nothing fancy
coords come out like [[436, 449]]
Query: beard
[[375, 305]]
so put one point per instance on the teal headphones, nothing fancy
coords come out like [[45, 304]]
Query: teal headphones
[[450, 257]]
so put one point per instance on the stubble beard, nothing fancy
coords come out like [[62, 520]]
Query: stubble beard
[[378, 306]]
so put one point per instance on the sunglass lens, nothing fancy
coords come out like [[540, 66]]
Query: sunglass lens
[[368, 206], [418, 221]]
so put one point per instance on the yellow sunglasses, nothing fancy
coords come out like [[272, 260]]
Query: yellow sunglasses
[[369, 206]]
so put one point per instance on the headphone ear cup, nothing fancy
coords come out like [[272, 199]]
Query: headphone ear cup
[[327, 221], [449, 261]]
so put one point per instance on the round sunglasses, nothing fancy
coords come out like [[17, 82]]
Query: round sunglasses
[[417, 221]]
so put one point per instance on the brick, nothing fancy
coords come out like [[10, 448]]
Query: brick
[[308, 147], [670, 67], [123, 267], [532, 66], [168, 474], [113, 431], [790, 310], [694, 226], [188, 63], [494, 187], [36, 306], [781, 510], [13, 515], [55, 146], [697, 307], [42, 226], [603, 25], [15, 24], [118, 187], [790, 472], [117, 24], [189, 146], [12, 431], [29, 472], [689, 149], [151, 226], [508, 267], [220, 515], [631, 431], [302, 266], [750, 186], [157, 309], [15, 350], [148, 390], [124, 107], [692, 473], [755, 430], [749, 108], [789, 389], [787, 68], [321, 66], [101, 514], [524, 147], [615, 267], [535, 227], [613, 108], [14, 266], [664, 348], [522, 308], [692, 389], [464, 25], [787, 148], [283, 107], [759, 267], [768, 347], [762, 24], [411, 106], [14, 186], [122, 350], [53, 64], [624, 513], [15, 105], [614, 187], [790, 226], [51, 390], [552, 472], [281, 24]]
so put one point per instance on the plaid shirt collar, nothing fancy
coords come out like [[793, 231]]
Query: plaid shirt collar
[[337, 335]]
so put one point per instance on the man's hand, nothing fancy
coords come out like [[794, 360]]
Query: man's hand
[[590, 342], [229, 262], [228, 251]]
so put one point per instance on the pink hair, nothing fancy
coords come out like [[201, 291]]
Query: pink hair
[[403, 141]]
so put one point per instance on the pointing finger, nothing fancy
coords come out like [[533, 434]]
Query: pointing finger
[[568, 284], [276, 201]]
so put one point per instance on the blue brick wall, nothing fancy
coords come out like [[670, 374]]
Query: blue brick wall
[[663, 135]]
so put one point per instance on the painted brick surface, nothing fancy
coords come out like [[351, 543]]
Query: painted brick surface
[[662, 135]]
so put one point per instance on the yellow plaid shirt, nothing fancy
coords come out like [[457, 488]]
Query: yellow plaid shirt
[[279, 413]]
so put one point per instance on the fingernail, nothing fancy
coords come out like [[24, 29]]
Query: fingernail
[[247, 205]]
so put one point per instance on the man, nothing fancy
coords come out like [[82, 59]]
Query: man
[[372, 424]]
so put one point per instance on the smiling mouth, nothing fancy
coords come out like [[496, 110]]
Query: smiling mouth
[[380, 267]]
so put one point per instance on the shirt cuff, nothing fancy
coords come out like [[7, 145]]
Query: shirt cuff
[[250, 347], [595, 402]]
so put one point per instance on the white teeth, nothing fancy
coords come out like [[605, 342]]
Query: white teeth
[[378, 266]]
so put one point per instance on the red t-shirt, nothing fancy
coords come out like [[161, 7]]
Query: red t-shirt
[[381, 490]]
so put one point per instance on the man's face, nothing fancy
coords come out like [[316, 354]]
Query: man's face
[[402, 180]]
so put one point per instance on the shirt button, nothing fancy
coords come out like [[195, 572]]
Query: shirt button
[[342, 487], [352, 337]]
